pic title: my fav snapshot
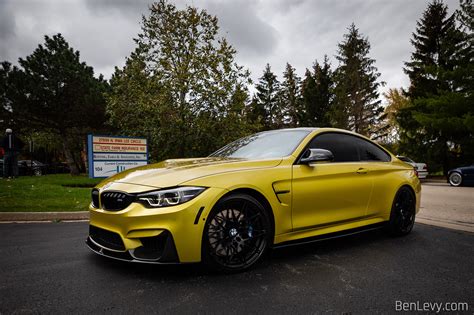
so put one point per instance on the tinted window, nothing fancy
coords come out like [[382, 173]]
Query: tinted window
[[269, 144], [342, 146], [370, 152], [348, 148]]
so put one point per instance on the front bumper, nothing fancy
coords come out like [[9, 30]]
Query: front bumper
[[159, 235]]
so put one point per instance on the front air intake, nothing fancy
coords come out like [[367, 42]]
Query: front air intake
[[107, 239]]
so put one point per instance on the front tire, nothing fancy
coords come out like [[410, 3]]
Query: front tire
[[402, 217], [237, 234], [455, 179]]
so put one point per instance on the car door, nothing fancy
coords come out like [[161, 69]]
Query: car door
[[377, 162], [331, 192], [468, 174]]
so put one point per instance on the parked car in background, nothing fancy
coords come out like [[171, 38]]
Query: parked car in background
[[37, 168], [421, 168], [32, 167], [461, 176]]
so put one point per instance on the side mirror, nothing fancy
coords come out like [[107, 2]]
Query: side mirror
[[316, 155]]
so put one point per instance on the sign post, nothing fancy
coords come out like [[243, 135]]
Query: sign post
[[109, 155]]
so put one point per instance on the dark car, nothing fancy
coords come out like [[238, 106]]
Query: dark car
[[31, 167], [461, 176], [28, 167]]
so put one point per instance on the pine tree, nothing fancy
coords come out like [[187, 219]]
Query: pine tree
[[357, 105], [268, 98], [318, 95], [434, 43], [309, 99], [290, 97], [438, 125], [56, 92]]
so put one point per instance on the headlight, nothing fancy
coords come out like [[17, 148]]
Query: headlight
[[169, 197]]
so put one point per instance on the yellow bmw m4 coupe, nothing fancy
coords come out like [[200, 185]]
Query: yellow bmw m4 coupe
[[267, 190]]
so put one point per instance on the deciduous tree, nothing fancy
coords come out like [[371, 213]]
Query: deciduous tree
[[191, 82]]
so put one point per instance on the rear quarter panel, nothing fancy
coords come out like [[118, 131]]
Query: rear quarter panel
[[388, 179]]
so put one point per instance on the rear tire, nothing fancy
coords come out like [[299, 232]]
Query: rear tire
[[402, 217], [237, 234], [455, 179]]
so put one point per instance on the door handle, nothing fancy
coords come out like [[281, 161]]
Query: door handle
[[362, 171]]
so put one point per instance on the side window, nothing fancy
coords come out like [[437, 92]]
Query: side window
[[341, 145], [370, 152]]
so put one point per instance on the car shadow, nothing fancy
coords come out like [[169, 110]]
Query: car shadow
[[324, 249]]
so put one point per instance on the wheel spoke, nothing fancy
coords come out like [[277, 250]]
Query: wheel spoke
[[236, 234]]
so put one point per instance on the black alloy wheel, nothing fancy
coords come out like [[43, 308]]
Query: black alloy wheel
[[237, 233], [402, 217]]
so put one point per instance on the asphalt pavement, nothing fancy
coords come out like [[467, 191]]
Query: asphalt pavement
[[46, 268]]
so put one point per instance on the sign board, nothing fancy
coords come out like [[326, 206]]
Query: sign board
[[109, 155]]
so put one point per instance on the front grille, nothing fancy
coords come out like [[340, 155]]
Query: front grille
[[106, 238], [116, 200], [95, 198]]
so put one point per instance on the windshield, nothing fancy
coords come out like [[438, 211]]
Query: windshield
[[264, 145]]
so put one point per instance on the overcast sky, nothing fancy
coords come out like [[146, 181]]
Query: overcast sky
[[278, 31]]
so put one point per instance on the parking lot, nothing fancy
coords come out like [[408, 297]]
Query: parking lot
[[46, 268], [447, 206]]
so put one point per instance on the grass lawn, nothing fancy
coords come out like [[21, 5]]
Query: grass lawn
[[60, 192]]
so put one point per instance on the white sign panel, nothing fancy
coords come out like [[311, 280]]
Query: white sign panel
[[109, 155], [106, 169]]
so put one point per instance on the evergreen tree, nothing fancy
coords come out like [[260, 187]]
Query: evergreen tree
[[438, 125], [290, 97], [267, 97], [435, 44], [309, 99], [318, 94], [357, 106], [54, 92], [255, 113]]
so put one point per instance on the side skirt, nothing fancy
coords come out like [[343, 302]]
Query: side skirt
[[329, 236]]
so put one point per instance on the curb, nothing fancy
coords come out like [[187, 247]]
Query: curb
[[43, 216], [453, 225]]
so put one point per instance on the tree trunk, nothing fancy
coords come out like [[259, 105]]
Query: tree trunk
[[69, 157]]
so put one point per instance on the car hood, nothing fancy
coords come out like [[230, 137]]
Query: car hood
[[175, 172]]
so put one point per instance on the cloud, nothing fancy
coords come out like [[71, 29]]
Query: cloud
[[244, 28], [274, 31]]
